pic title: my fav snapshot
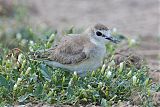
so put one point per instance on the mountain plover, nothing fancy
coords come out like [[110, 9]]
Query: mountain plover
[[79, 52]]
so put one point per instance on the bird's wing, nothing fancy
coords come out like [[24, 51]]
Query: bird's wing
[[59, 40], [66, 52]]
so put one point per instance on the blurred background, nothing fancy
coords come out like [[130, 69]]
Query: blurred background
[[132, 18]]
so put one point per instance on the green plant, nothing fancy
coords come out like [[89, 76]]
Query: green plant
[[24, 80]]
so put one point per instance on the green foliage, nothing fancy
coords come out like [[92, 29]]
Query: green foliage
[[27, 80], [24, 80]]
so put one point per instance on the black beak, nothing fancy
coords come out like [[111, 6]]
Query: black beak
[[114, 40]]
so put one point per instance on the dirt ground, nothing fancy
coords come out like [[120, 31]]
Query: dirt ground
[[133, 18], [130, 17]]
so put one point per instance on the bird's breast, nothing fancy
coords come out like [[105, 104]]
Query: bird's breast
[[98, 52]]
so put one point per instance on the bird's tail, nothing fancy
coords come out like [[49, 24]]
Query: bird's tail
[[41, 54]]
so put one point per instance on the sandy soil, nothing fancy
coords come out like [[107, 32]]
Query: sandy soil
[[132, 18]]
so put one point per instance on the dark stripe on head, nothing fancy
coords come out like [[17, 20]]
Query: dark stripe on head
[[100, 27]]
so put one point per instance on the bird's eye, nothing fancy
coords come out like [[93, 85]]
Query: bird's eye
[[98, 33]]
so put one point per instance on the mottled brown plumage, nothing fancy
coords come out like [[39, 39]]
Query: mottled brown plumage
[[67, 52], [78, 52]]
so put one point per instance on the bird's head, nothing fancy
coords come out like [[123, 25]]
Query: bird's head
[[101, 33]]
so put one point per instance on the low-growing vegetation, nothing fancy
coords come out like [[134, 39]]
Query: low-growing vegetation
[[24, 80]]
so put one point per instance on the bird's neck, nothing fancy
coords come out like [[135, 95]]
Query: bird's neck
[[97, 42]]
